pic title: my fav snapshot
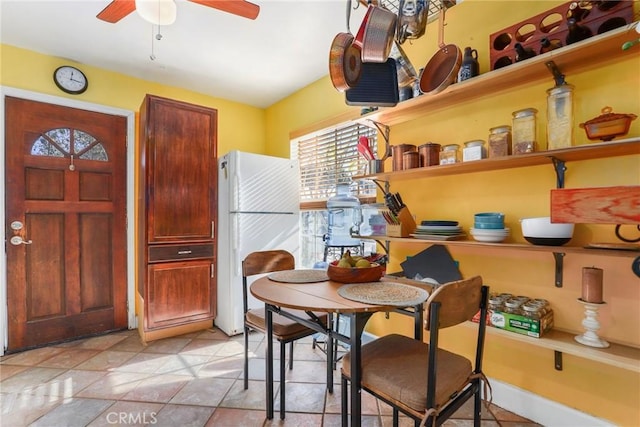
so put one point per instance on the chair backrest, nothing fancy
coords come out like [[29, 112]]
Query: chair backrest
[[267, 262], [264, 262], [459, 302]]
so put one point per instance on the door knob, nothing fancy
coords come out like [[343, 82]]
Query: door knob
[[17, 241]]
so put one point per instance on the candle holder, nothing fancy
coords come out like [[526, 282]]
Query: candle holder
[[591, 324]]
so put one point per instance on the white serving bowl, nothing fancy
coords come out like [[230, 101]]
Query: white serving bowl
[[541, 231]]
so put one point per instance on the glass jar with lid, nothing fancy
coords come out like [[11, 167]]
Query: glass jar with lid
[[496, 303], [473, 150], [449, 154], [523, 138], [512, 306], [560, 116], [532, 311], [500, 141]]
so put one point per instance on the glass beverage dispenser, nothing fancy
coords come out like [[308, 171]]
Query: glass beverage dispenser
[[345, 216]]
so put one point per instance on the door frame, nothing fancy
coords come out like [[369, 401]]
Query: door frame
[[130, 202]]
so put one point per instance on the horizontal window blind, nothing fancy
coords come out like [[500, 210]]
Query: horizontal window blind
[[330, 157]]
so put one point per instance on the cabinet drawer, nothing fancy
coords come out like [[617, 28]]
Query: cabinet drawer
[[180, 252]]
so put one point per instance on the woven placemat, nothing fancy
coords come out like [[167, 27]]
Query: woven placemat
[[384, 293], [299, 276]]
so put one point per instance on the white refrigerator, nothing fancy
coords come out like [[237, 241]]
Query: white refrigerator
[[258, 209]]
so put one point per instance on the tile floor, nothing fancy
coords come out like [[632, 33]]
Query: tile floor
[[190, 380]]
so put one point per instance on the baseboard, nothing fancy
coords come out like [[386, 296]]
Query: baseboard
[[539, 409]]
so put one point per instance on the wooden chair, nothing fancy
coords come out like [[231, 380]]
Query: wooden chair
[[420, 380], [285, 330]]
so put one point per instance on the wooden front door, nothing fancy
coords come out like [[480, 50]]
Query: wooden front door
[[66, 222]]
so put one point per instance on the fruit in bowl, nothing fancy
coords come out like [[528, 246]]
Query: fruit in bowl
[[355, 269]]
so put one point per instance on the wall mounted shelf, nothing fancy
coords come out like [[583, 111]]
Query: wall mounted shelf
[[603, 49], [620, 356], [599, 150], [508, 246]]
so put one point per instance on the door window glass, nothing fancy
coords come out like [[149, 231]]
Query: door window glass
[[66, 142]]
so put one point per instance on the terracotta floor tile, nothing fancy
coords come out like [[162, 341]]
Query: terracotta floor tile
[[7, 371], [183, 416], [158, 388], [191, 380], [106, 360], [31, 357], [29, 379], [222, 367], [130, 343], [302, 397], [251, 398], [69, 358], [113, 385], [102, 342], [504, 415], [73, 412], [229, 417], [295, 419], [203, 392], [69, 383], [21, 409], [128, 414], [167, 345]]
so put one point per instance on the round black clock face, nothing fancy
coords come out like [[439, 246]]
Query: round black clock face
[[71, 80]]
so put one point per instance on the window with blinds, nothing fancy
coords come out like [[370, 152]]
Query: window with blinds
[[330, 157]]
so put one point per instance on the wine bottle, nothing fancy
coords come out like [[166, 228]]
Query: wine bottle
[[577, 11], [577, 32], [523, 53], [547, 45]]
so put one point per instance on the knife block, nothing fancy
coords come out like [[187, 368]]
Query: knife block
[[406, 227]]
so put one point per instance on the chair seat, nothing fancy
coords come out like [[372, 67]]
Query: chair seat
[[395, 368], [283, 327]]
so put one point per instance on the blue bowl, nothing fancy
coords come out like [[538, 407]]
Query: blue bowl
[[489, 218], [488, 225]]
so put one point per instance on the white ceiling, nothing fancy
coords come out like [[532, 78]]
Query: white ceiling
[[206, 50]]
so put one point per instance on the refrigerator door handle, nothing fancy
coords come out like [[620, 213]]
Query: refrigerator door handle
[[234, 193], [234, 244]]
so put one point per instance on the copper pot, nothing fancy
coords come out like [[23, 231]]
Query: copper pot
[[608, 125]]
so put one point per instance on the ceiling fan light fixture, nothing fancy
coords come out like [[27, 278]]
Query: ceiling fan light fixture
[[157, 12]]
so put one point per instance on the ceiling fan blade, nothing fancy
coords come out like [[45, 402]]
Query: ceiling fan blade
[[237, 7], [116, 10]]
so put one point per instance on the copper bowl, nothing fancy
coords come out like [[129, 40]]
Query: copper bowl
[[354, 274], [608, 125]]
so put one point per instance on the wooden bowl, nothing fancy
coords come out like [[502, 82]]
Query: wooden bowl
[[355, 275]]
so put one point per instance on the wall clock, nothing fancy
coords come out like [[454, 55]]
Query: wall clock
[[70, 80]]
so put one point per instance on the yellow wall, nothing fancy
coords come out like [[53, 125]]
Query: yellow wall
[[594, 388], [597, 389], [240, 126]]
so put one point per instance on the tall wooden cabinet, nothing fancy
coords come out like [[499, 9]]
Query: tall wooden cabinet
[[177, 209]]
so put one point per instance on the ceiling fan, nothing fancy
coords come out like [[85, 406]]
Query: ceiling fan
[[118, 9]]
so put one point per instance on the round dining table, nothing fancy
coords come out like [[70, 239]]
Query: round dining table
[[324, 296]]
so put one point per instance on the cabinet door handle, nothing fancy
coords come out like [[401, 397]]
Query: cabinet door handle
[[213, 271], [184, 252]]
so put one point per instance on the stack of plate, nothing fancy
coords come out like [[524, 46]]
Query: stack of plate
[[489, 235], [439, 230]]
